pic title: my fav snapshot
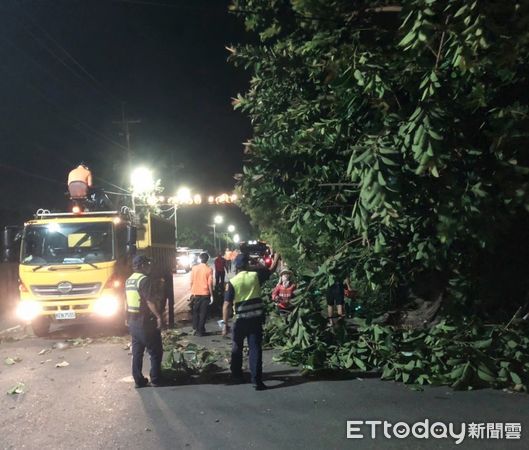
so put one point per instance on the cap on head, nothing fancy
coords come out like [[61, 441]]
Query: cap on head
[[286, 272], [242, 261], [139, 262]]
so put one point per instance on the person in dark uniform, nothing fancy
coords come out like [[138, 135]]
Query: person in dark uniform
[[243, 291], [145, 323]]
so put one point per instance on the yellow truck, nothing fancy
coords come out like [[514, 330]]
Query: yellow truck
[[74, 266]]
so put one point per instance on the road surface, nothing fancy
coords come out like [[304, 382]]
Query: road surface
[[91, 403]]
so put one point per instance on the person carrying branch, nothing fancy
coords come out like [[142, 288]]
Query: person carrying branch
[[243, 293]]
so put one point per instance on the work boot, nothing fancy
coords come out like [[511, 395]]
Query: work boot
[[143, 383], [159, 382], [260, 386]]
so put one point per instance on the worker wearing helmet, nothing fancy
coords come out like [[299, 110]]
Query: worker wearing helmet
[[145, 322], [79, 181], [243, 291]]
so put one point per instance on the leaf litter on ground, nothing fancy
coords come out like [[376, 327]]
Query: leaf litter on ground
[[10, 361], [19, 388], [186, 360]]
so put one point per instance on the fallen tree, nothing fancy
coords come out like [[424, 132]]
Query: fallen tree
[[389, 147]]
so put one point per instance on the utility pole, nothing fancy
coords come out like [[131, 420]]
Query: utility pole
[[124, 124]]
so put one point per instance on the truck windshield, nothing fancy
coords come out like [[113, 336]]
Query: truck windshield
[[67, 243]]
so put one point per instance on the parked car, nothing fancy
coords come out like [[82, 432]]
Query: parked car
[[194, 254], [259, 252], [183, 259]]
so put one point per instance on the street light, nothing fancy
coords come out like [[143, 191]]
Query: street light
[[217, 220], [236, 238], [142, 182], [183, 195], [230, 229]]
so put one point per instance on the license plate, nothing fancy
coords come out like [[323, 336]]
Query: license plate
[[65, 315]]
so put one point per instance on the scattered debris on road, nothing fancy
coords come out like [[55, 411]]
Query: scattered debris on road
[[19, 388], [61, 345], [12, 334], [14, 329], [62, 364], [10, 361], [186, 360]]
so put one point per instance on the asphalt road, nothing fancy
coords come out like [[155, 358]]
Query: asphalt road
[[92, 404]]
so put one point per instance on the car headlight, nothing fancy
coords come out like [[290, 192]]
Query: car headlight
[[184, 260], [106, 306], [28, 309]]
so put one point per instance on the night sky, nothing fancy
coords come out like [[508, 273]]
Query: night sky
[[67, 66]]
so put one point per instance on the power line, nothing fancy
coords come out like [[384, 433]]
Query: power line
[[89, 130], [29, 174], [94, 81], [95, 132], [69, 163]]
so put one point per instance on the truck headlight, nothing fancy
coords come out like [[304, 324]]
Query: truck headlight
[[106, 306], [27, 310]]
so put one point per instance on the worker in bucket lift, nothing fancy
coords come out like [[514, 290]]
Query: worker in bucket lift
[[80, 181], [81, 189]]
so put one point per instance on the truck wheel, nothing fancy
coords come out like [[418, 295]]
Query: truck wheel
[[41, 326]]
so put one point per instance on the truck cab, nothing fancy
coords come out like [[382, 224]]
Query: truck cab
[[74, 266]]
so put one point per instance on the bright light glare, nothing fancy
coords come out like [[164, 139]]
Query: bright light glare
[[218, 219], [27, 310], [54, 227], [142, 180], [183, 195], [184, 260], [197, 199], [152, 200], [106, 306], [231, 228], [211, 199], [236, 238]]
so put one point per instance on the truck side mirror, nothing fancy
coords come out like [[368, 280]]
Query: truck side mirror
[[11, 238], [131, 240]]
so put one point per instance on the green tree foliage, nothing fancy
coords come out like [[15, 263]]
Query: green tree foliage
[[193, 238], [390, 143]]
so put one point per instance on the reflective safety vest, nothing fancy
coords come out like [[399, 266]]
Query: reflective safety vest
[[132, 291], [247, 302]]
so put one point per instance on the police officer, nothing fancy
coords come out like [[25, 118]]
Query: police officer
[[244, 292], [145, 322]]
